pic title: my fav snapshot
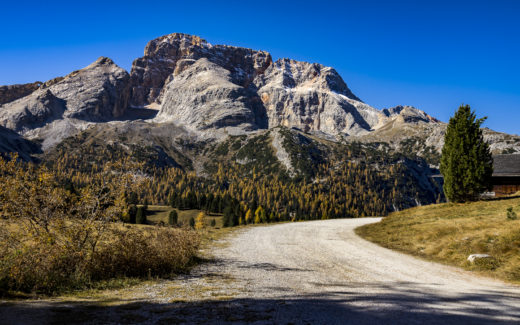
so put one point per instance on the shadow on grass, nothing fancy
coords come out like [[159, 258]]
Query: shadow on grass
[[353, 303]]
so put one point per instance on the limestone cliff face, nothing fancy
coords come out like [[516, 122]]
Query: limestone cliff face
[[204, 96], [166, 56], [203, 86], [98, 92], [312, 97], [32, 111], [13, 92]]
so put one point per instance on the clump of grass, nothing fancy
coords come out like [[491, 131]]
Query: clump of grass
[[450, 232], [511, 215]]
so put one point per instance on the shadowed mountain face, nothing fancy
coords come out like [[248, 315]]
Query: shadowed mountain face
[[12, 142], [14, 92]]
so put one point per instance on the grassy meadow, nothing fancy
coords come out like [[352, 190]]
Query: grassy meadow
[[450, 232], [159, 213]]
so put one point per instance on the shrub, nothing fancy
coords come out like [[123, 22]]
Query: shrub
[[46, 267], [192, 222], [213, 223], [511, 215]]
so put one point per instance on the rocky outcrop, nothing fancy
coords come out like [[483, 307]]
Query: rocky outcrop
[[13, 92], [166, 56], [408, 114], [204, 96], [312, 97], [12, 142], [96, 93], [32, 111]]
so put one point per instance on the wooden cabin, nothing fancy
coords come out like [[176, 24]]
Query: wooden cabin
[[506, 174]]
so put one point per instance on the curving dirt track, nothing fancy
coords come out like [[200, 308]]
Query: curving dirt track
[[317, 272]]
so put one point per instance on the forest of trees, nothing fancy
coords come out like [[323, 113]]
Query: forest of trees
[[350, 187]]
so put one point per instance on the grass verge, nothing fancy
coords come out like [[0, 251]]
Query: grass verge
[[449, 233]]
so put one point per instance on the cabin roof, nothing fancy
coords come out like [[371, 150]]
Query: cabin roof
[[506, 165]]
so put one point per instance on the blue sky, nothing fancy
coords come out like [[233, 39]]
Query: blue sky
[[434, 55]]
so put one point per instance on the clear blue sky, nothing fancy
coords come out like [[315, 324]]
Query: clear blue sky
[[434, 55]]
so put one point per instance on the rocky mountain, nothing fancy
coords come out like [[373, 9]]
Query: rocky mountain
[[97, 93], [13, 92], [186, 93], [167, 56]]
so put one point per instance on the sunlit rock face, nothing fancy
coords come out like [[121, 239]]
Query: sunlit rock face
[[96, 93], [166, 57], [312, 97]]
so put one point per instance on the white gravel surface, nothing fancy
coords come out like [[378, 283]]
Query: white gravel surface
[[316, 272]]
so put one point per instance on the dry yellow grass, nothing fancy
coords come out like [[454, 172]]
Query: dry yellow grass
[[449, 233]]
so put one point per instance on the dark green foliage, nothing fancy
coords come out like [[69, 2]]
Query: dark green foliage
[[258, 154], [132, 213], [466, 161], [173, 218], [132, 198], [140, 217], [227, 219], [232, 211], [192, 222], [305, 154], [213, 223]]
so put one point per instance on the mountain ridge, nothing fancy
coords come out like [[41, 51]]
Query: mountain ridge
[[210, 92]]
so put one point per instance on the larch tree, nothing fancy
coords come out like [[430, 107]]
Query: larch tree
[[199, 223], [249, 216]]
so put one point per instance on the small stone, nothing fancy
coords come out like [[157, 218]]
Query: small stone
[[473, 257]]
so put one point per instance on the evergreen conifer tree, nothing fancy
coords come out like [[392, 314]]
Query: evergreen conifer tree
[[132, 212], [466, 161], [140, 217], [173, 218]]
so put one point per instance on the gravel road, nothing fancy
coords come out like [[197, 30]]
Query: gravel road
[[316, 272]]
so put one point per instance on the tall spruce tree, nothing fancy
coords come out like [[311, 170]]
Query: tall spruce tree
[[466, 161]]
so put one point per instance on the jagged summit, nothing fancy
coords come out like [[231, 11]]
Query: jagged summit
[[168, 54]]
